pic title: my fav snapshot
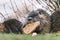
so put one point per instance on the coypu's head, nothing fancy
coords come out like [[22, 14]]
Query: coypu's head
[[38, 15], [43, 17]]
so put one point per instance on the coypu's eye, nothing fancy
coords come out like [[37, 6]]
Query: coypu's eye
[[30, 18], [40, 12]]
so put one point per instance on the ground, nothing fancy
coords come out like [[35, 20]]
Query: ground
[[51, 36]]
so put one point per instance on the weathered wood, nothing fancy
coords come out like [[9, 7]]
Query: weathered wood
[[18, 8], [29, 28]]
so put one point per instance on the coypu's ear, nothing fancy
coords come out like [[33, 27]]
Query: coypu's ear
[[40, 11]]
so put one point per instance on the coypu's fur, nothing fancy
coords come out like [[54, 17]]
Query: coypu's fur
[[13, 25], [43, 17], [55, 19], [1, 27]]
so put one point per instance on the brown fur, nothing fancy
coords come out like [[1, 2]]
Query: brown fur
[[12, 25], [43, 17], [1, 27], [55, 26]]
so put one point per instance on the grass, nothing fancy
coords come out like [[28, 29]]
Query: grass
[[4, 36]]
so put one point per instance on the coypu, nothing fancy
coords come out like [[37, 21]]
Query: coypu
[[55, 21], [43, 17], [13, 25]]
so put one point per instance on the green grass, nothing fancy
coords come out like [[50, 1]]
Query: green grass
[[4, 36]]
